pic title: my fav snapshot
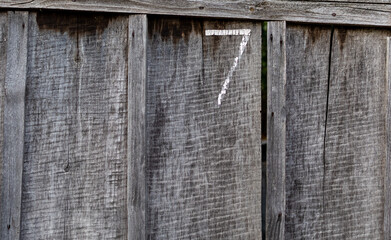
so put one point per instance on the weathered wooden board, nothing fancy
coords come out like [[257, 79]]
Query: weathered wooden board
[[136, 126], [3, 69], [336, 135], [203, 159], [307, 55], [355, 135], [361, 2], [4, 219], [387, 173], [276, 130], [343, 12], [75, 168], [13, 47]]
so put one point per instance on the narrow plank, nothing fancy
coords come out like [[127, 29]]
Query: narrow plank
[[204, 159], [331, 12], [3, 71], [387, 173], [355, 135], [276, 130], [136, 126], [13, 139], [75, 167], [308, 50]]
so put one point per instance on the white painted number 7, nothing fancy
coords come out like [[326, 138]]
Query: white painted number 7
[[234, 32]]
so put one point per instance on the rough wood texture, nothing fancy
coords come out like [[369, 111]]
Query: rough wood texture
[[3, 70], [276, 117], [308, 50], [75, 168], [4, 220], [352, 1], [355, 135], [204, 159], [336, 136], [136, 126], [14, 86], [387, 172], [294, 11]]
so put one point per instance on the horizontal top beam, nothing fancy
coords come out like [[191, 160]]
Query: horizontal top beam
[[326, 12]]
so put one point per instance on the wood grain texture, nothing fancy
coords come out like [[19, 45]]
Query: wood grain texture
[[13, 139], [3, 70], [308, 50], [355, 135], [361, 2], [276, 130], [204, 160], [136, 126], [336, 133], [75, 168], [335, 12], [387, 172]]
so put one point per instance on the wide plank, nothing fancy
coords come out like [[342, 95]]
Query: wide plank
[[355, 141], [203, 151], [75, 168], [307, 56], [13, 46], [336, 172], [332, 12]]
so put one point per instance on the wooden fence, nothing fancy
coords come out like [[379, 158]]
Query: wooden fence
[[127, 123]]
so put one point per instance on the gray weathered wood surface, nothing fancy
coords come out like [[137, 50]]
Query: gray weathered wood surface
[[276, 130], [361, 2], [387, 172], [136, 126], [14, 26], [336, 135], [3, 69], [203, 160], [355, 135], [75, 168], [308, 49], [120, 135], [344, 12]]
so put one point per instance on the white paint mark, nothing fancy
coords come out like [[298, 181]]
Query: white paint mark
[[232, 32]]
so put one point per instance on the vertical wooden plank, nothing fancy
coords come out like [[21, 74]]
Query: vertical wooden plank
[[308, 51], [3, 70], [136, 126], [204, 159], [276, 127], [355, 141], [387, 172], [75, 164], [50, 104], [336, 133], [14, 101]]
